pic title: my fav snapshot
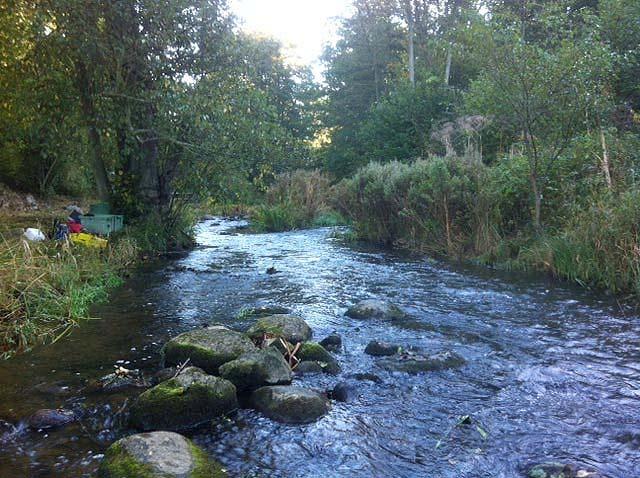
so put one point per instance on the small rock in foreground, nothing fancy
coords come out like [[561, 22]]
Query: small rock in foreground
[[157, 455]]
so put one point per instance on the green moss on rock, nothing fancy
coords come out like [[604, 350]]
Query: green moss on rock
[[158, 455], [188, 400], [207, 348], [255, 369], [289, 327], [314, 352]]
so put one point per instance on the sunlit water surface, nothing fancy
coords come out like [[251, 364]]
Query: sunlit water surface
[[552, 372]]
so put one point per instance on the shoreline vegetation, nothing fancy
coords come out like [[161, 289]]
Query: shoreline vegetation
[[458, 208], [48, 287]]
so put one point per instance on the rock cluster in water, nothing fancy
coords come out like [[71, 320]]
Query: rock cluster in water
[[208, 369]]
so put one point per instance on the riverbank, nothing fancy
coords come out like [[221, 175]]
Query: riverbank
[[47, 288]]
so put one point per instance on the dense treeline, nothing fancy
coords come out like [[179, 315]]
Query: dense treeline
[[505, 131], [147, 104]]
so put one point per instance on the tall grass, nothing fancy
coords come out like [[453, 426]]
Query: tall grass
[[296, 200], [461, 208], [47, 288], [600, 247]]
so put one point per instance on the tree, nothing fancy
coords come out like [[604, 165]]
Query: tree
[[544, 92]]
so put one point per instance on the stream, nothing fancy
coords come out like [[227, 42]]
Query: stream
[[552, 372]]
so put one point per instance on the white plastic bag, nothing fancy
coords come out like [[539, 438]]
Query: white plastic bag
[[33, 234]]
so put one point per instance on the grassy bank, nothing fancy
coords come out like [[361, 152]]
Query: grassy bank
[[463, 209], [47, 288]]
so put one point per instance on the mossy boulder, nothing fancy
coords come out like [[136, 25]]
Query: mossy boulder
[[207, 348], [255, 369], [314, 352], [290, 327], [416, 363], [375, 309], [562, 470], [159, 454], [308, 367], [381, 349], [290, 404], [183, 402]]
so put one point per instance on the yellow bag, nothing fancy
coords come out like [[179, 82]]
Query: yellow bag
[[88, 240]]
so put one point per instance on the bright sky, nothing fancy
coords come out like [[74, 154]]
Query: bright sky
[[303, 26]]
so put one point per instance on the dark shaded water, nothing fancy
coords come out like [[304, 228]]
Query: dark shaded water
[[552, 372]]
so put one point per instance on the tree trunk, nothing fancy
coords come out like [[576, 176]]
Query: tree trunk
[[410, 21], [605, 157], [447, 68], [149, 185], [537, 199], [447, 222], [95, 142]]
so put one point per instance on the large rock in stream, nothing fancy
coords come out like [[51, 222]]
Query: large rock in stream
[[183, 402], [381, 349], [417, 363], [290, 404], [290, 327], [375, 309], [157, 455], [207, 348], [255, 369]]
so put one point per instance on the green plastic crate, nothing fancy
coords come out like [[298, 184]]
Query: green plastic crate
[[100, 209], [102, 224]]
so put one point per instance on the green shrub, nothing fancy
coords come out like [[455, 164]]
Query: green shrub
[[296, 200], [600, 247]]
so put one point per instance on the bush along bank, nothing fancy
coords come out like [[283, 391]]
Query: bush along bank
[[464, 209], [47, 288], [297, 200]]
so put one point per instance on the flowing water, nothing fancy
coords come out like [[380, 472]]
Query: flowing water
[[552, 372]]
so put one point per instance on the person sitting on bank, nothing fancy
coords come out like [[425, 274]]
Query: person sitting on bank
[[74, 222]]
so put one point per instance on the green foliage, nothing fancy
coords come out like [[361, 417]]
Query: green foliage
[[46, 290], [598, 248], [296, 200], [429, 204], [276, 218]]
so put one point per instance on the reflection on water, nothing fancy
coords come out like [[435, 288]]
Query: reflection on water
[[552, 372]]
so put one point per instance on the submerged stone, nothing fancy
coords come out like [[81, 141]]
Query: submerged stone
[[290, 327], [255, 369], [51, 418], [333, 343], [183, 402], [260, 311], [344, 392], [375, 309], [159, 454], [414, 363], [562, 470], [115, 382], [381, 349], [207, 348], [290, 404]]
